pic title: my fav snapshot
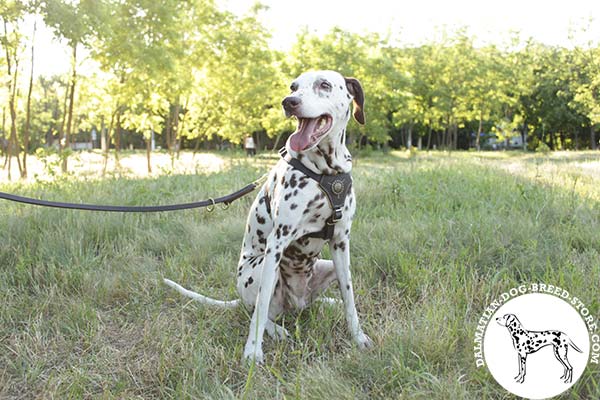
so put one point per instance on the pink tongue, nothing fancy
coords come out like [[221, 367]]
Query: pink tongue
[[300, 139]]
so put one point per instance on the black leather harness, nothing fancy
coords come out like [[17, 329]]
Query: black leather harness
[[335, 187]]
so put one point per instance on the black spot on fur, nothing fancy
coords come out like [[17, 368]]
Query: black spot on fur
[[348, 287], [293, 181], [293, 206], [260, 220]]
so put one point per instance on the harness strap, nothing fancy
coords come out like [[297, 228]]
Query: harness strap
[[335, 187]]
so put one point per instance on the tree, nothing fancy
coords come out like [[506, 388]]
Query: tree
[[73, 22], [11, 13], [585, 85], [28, 109], [239, 78]]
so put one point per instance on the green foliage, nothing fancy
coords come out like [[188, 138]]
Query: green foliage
[[189, 69]]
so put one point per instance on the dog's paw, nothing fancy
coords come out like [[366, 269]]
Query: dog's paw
[[277, 332], [363, 341], [254, 355]]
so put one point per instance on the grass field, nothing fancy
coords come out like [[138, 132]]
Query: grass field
[[437, 236]]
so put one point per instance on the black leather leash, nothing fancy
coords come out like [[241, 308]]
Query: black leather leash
[[210, 203]]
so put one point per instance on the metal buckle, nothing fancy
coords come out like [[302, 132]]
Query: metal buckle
[[337, 215], [211, 207]]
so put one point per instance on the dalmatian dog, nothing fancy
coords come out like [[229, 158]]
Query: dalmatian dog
[[528, 342], [293, 217]]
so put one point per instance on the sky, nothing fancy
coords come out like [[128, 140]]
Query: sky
[[415, 21], [409, 22]]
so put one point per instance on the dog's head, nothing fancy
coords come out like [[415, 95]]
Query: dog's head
[[320, 100], [508, 320]]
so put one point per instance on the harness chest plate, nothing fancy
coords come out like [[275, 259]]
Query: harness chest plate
[[336, 188]]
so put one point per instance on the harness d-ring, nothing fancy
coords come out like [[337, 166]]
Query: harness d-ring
[[225, 206], [211, 207]]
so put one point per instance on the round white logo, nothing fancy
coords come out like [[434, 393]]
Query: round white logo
[[536, 345]]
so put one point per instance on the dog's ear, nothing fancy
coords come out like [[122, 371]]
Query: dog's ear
[[356, 91]]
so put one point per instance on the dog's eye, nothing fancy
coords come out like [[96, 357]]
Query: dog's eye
[[294, 87], [325, 85]]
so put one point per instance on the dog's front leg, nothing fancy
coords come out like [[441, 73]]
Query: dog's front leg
[[274, 249], [340, 251]]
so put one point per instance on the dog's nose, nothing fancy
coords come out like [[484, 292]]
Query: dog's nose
[[291, 102]]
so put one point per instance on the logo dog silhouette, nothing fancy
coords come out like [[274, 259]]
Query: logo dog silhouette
[[527, 342]]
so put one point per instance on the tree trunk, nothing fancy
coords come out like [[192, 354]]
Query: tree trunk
[[12, 93], [107, 141], [175, 133], [149, 152], [180, 130], [4, 140], [71, 102], [479, 131], [118, 138], [429, 138], [409, 136], [102, 135], [28, 110], [593, 137], [525, 134], [196, 147], [277, 139], [552, 141], [61, 132]]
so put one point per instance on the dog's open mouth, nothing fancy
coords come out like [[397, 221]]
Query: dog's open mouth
[[309, 131]]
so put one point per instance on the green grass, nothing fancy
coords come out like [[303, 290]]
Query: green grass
[[83, 312]]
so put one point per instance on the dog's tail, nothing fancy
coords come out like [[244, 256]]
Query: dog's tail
[[200, 298], [573, 346]]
